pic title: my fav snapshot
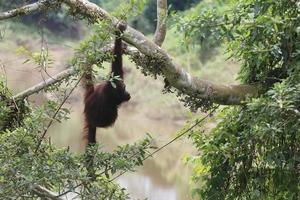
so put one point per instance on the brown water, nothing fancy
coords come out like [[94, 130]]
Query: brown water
[[142, 186], [162, 177]]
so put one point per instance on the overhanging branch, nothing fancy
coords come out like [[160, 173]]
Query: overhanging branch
[[176, 76], [72, 70], [24, 10]]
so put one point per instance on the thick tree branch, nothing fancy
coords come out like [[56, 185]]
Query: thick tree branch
[[42, 4], [161, 26], [177, 77], [45, 193]]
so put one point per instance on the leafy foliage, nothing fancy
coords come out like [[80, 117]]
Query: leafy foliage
[[202, 28], [25, 165], [146, 21], [258, 33], [12, 112], [253, 153], [29, 160]]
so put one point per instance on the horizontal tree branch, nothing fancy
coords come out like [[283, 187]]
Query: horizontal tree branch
[[50, 81], [176, 76], [24, 10]]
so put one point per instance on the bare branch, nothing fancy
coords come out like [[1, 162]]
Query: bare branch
[[176, 76], [45, 193], [40, 86], [161, 26], [42, 4]]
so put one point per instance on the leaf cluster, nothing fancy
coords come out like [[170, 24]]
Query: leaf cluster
[[260, 34], [11, 112], [253, 153], [24, 164]]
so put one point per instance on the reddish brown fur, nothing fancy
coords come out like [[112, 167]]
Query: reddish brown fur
[[102, 101]]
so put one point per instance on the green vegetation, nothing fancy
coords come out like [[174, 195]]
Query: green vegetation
[[253, 153], [33, 161]]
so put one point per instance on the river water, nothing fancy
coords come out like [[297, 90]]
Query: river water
[[142, 186]]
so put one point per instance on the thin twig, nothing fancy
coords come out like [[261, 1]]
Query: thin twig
[[56, 112], [53, 79], [154, 152], [173, 140]]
